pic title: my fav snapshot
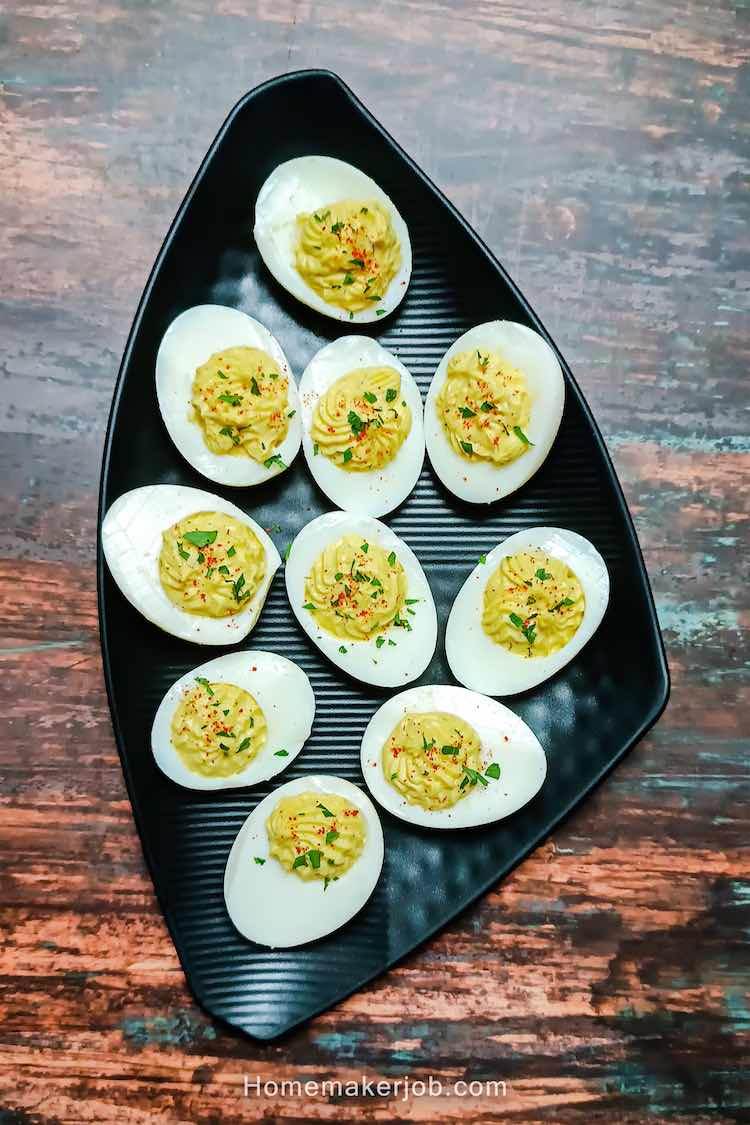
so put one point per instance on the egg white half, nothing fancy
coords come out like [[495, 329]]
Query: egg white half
[[191, 338], [132, 539], [274, 907], [389, 666], [481, 482], [282, 691], [505, 739], [380, 491], [304, 185], [477, 661]]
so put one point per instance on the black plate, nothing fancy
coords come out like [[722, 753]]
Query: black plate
[[587, 716]]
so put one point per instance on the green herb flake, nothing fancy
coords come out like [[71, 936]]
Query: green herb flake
[[492, 771], [521, 435], [342, 650], [466, 412], [291, 413], [336, 227], [231, 553], [380, 641], [364, 547], [347, 456], [204, 683], [281, 754], [324, 810], [564, 603], [542, 574], [390, 394], [467, 447], [482, 559], [368, 396], [356, 423], [232, 400], [244, 744], [309, 605], [275, 460], [331, 836], [392, 558], [379, 312], [259, 860], [348, 279], [316, 449], [223, 569], [201, 538], [181, 551], [450, 751], [487, 407], [227, 431], [300, 861]]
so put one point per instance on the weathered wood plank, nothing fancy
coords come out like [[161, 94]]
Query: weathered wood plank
[[601, 150]]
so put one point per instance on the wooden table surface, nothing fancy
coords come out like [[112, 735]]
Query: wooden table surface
[[601, 148]]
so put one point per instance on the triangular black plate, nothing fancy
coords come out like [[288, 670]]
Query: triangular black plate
[[587, 717]]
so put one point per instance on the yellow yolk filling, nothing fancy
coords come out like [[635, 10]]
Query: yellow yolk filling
[[217, 729], [429, 758], [211, 564], [533, 604], [240, 400], [316, 836], [484, 407], [356, 589], [361, 422], [348, 253]]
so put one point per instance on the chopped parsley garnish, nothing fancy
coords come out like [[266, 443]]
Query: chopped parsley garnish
[[411, 601], [227, 431], [355, 422], [379, 642], [338, 576], [300, 861], [482, 559], [204, 683], [521, 435], [324, 810], [542, 574], [259, 860], [281, 754], [291, 413], [201, 558], [237, 589], [467, 412], [450, 751], [222, 375], [254, 388], [244, 745], [331, 836], [492, 771], [375, 582], [233, 400], [231, 553], [379, 312], [529, 631], [368, 396], [483, 359], [181, 551], [364, 547], [427, 745], [274, 460], [391, 643], [401, 623], [336, 227], [565, 602], [363, 211], [316, 449], [347, 455], [391, 394], [342, 650], [392, 558], [201, 538], [357, 262], [309, 605], [314, 856], [487, 407], [223, 569], [467, 447], [348, 279], [471, 777]]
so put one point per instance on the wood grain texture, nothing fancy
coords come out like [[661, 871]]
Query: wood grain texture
[[602, 150]]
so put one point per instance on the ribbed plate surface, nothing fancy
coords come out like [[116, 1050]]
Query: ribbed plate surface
[[586, 717]]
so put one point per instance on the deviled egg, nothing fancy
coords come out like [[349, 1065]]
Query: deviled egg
[[192, 563], [443, 757], [305, 861], [332, 237], [526, 610], [361, 595], [363, 433], [237, 720], [493, 410], [227, 396]]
